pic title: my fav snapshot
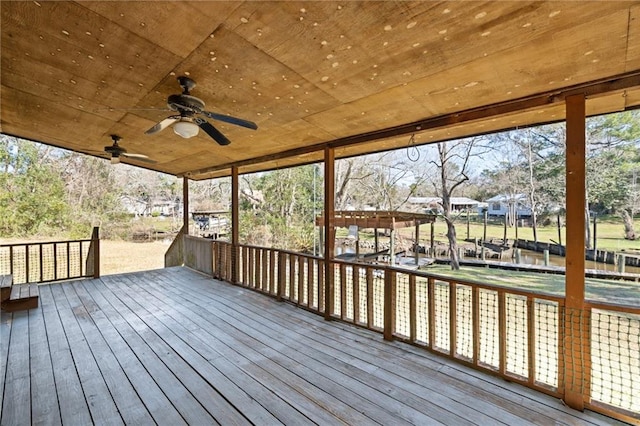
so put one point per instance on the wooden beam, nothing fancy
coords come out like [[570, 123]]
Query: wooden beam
[[185, 205], [235, 225], [329, 230], [576, 343], [592, 88]]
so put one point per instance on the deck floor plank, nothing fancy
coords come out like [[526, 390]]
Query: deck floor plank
[[303, 396], [71, 398], [228, 391], [172, 347], [17, 409], [121, 390], [476, 399], [329, 394], [147, 388], [155, 361], [44, 400], [97, 393], [5, 334], [388, 397]]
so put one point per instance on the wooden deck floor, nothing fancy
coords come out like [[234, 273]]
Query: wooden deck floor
[[173, 347]]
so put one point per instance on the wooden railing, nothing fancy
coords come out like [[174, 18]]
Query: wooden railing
[[174, 256], [52, 260], [516, 334]]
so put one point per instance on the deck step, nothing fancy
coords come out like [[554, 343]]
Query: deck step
[[23, 296], [5, 287]]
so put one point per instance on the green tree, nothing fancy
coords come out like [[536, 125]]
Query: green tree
[[32, 192]]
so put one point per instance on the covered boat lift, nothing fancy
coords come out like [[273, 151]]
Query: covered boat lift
[[378, 219]]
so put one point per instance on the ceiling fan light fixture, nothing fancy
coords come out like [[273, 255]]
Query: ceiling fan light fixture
[[115, 159], [186, 129]]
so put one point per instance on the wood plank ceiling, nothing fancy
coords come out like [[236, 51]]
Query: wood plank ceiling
[[308, 73]]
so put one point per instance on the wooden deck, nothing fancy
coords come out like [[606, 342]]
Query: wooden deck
[[174, 347]]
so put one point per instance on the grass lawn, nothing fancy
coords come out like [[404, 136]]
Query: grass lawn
[[610, 233], [624, 292]]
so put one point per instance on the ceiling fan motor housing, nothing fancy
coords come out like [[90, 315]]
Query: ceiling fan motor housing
[[185, 103]]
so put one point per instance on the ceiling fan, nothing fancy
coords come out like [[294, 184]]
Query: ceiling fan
[[116, 151], [187, 123]]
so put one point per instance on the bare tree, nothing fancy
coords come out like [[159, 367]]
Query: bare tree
[[452, 163]]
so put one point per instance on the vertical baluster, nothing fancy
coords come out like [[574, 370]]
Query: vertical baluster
[[502, 330], [68, 260], [311, 262], [41, 262], [370, 297], [26, 264], [301, 280], [272, 269], [356, 293], [343, 291], [453, 318], [475, 307], [431, 290], [389, 303], [55, 261], [531, 338], [412, 308]]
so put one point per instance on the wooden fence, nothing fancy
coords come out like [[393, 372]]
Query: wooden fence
[[52, 260]]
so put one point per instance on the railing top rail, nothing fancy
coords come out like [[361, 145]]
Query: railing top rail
[[493, 287], [608, 306], [290, 252], [37, 243]]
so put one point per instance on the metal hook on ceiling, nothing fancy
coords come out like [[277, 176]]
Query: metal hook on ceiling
[[413, 153]]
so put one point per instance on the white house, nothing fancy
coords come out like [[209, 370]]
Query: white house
[[503, 204], [434, 204]]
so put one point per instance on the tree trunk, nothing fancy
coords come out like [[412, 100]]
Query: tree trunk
[[453, 244], [629, 230]]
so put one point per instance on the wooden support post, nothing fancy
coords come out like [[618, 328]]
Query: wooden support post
[[468, 223], [235, 224], [392, 247], [376, 241], [389, 303], [95, 243], [416, 250], [433, 242], [576, 345], [329, 232], [185, 205]]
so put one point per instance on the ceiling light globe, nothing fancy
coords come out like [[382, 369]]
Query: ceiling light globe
[[186, 129]]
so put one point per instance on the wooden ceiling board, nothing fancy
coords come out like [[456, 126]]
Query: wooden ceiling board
[[157, 21], [307, 72], [633, 41]]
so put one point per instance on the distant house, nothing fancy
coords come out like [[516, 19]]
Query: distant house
[[434, 204], [503, 204]]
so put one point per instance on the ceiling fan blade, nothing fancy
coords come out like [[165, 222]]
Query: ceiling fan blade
[[139, 157], [212, 131], [232, 120], [163, 124]]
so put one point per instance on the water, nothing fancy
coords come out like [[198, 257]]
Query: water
[[534, 258], [527, 257]]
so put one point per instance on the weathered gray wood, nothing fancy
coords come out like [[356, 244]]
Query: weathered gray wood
[[148, 389], [96, 392], [5, 334], [44, 399], [72, 403], [173, 346], [232, 360], [400, 403], [16, 404], [157, 359], [124, 395]]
